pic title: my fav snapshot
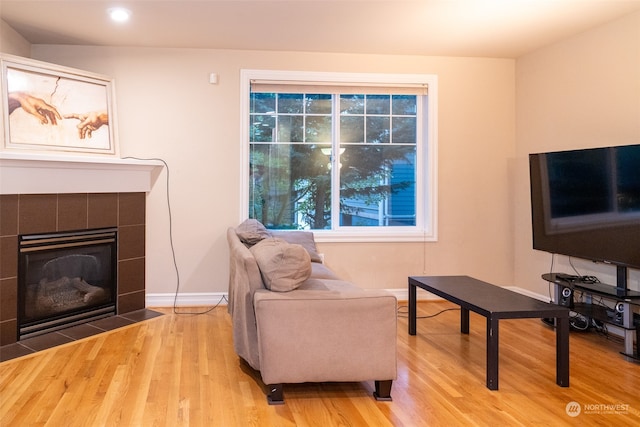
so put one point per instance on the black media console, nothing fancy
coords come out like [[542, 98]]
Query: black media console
[[618, 309]]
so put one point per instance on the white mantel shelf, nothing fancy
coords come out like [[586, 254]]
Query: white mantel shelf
[[26, 173]]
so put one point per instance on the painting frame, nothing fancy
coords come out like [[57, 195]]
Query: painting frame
[[48, 108]]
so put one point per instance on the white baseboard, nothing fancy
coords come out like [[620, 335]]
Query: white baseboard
[[186, 300], [528, 293], [221, 298], [213, 298], [403, 294]]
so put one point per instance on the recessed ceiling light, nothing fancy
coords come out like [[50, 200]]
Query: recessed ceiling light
[[119, 14]]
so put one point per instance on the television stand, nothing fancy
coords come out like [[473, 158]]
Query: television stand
[[620, 315]]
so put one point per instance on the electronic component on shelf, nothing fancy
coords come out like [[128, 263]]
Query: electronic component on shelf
[[600, 304], [567, 277]]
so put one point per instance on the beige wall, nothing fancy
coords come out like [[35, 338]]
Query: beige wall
[[167, 109], [12, 42], [583, 92]]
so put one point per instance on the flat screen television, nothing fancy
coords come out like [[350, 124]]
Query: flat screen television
[[586, 204]]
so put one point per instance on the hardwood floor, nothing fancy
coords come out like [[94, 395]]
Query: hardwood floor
[[181, 370]]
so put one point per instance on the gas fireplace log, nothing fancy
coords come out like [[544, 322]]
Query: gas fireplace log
[[67, 292], [92, 293]]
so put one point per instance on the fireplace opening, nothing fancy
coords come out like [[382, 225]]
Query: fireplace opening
[[65, 279]]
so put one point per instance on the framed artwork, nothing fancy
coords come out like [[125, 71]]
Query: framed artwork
[[50, 108]]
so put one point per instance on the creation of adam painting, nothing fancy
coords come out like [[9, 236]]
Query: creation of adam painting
[[52, 108]]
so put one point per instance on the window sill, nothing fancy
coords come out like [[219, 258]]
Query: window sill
[[371, 236]]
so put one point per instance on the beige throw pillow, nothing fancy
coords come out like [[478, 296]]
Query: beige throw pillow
[[251, 231], [283, 266], [298, 237]]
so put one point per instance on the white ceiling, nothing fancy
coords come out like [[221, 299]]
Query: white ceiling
[[481, 28]]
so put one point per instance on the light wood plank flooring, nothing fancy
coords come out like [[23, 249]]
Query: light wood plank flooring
[[181, 370]]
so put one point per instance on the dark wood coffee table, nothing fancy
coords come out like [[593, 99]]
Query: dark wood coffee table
[[494, 303]]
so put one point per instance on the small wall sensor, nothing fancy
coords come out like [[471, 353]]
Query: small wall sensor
[[213, 78]]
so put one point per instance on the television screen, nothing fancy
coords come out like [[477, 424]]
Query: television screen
[[586, 203]]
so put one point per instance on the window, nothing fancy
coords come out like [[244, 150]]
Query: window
[[349, 156]]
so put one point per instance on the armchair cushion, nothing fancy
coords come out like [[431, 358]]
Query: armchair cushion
[[283, 266]]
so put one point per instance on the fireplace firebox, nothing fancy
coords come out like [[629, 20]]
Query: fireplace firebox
[[65, 279]]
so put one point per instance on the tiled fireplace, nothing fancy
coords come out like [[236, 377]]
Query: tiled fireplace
[[45, 213], [58, 193]]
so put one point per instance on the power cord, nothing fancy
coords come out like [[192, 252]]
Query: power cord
[[400, 312], [173, 251]]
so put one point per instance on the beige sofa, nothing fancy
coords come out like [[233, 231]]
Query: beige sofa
[[322, 330]]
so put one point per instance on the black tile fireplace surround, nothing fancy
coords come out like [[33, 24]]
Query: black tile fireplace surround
[[22, 214]]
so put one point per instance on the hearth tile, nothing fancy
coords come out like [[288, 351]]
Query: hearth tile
[[72, 212], [80, 331], [37, 213], [131, 208], [140, 315], [103, 210], [111, 323], [8, 214], [12, 351], [45, 341], [8, 257]]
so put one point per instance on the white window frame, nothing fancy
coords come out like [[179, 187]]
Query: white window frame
[[427, 150]]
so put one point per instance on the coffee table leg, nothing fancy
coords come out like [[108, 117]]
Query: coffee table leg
[[412, 309], [464, 320], [492, 353], [562, 351]]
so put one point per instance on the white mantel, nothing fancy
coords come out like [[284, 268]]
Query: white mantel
[[27, 173]]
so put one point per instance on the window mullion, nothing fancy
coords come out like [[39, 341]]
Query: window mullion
[[335, 162]]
